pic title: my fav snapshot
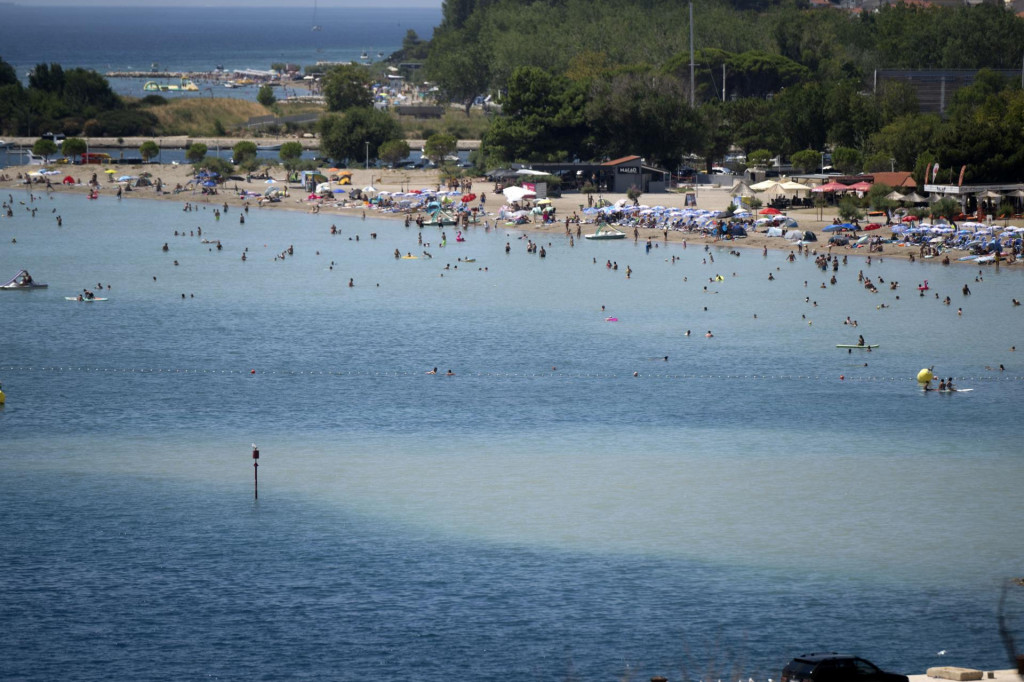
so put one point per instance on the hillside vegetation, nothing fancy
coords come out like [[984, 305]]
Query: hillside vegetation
[[204, 117], [599, 78]]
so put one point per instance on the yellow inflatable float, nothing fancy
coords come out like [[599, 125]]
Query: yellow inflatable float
[[925, 376]]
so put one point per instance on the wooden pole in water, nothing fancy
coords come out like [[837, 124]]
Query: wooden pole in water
[[255, 472]]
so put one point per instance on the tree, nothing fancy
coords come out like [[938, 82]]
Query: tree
[[459, 67], [760, 157], [265, 96], [645, 114], [345, 136], [289, 153], [216, 165], [805, 160], [876, 197], [946, 207], [196, 152], [438, 146], [148, 150], [542, 118], [243, 151], [847, 160], [848, 209], [393, 151], [347, 86], [73, 148], [44, 148]]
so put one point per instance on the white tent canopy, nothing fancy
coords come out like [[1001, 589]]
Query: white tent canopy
[[763, 185], [793, 186], [517, 193]]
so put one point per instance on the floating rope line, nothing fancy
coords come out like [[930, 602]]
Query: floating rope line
[[496, 375]]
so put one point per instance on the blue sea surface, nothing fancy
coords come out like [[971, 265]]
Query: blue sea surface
[[544, 513], [199, 39]]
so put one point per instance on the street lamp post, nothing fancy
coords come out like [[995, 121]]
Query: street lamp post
[[367, 156]]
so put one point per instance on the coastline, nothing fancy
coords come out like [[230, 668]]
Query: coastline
[[710, 198]]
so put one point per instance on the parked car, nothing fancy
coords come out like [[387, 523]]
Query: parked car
[[833, 667]]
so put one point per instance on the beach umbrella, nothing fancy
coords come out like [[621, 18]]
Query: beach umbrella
[[110, 171], [764, 185], [124, 178], [860, 187], [270, 182], [791, 186], [909, 219], [339, 191], [830, 187], [369, 188], [209, 183], [872, 226], [771, 211], [895, 196]]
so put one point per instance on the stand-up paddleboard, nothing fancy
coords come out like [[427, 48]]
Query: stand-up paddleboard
[[848, 345], [83, 299]]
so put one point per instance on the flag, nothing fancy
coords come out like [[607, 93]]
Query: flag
[[962, 169], [927, 170], [935, 172]]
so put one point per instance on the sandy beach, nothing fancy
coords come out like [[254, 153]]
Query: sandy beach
[[708, 197]]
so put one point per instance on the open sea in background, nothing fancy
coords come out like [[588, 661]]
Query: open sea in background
[[199, 39], [723, 511]]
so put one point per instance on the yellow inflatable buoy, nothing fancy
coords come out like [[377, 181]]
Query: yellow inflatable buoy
[[3, 398], [924, 376]]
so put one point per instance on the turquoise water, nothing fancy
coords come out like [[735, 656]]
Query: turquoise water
[[543, 514]]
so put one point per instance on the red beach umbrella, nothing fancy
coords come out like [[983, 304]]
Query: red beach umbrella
[[771, 211]]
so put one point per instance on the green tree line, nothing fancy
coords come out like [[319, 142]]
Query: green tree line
[[71, 101], [596, 78]]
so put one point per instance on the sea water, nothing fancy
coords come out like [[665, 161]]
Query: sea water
[[544, 513], [201, 38]]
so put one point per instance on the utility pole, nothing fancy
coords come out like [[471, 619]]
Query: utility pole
[[693, 94], [723, 82]]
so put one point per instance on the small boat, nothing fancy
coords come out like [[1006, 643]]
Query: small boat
[[268, 147], [606, 232], [23, 281], [854, 345]]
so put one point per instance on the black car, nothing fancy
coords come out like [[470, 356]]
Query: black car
[[833, 667]]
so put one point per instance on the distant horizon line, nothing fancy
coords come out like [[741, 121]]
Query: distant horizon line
[[223, 4]]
